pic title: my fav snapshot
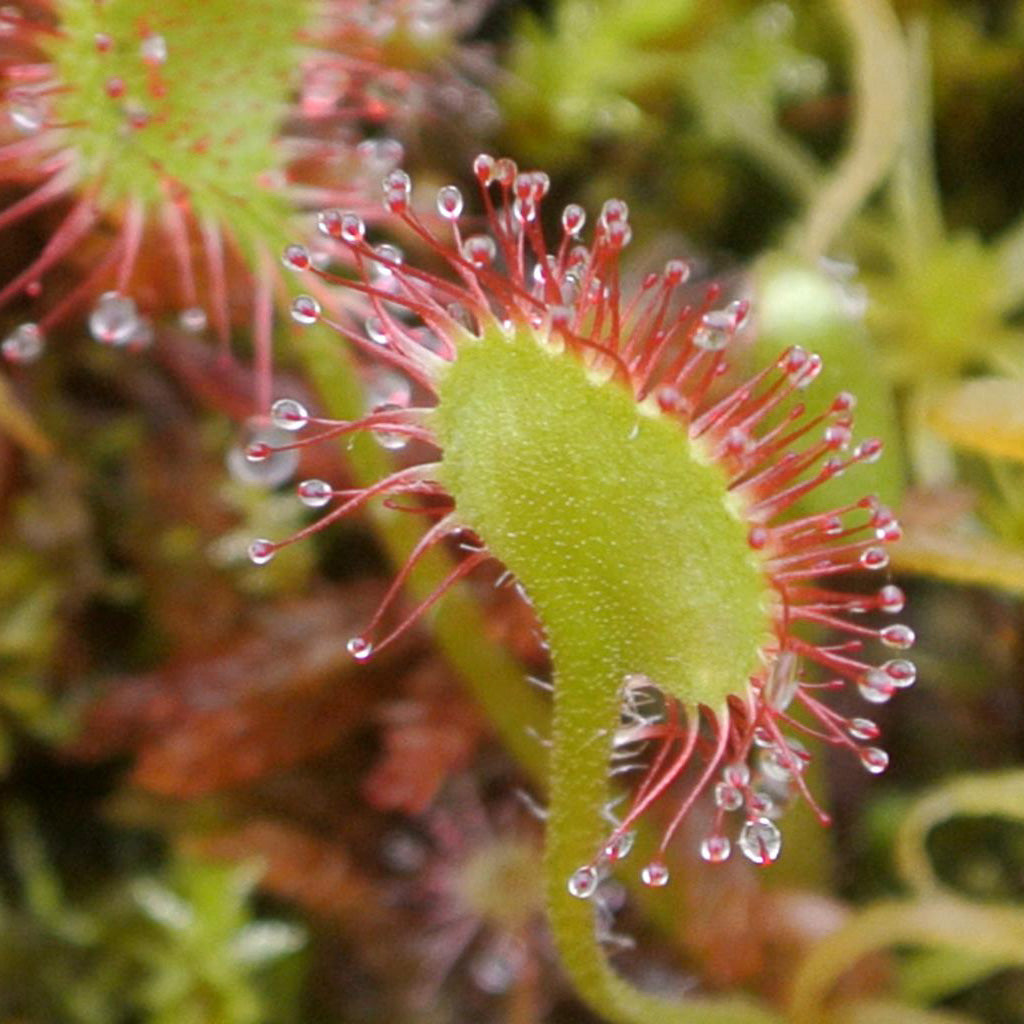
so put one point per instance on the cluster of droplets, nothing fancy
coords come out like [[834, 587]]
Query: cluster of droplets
[[766, 765]]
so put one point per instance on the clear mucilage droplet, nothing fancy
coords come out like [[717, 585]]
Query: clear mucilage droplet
[[359, 648], [728, 798], [715, 330], [390, 257], [874, 559], [737, 774], [863, 729], [153, 49], [876, 687], [305, 310], [874, 759], [480, 250], [495, 969], [114, 319], [289, 414], [258, 461], [24, 344], [760, 841], [715, 849], [583, 882], [261, 551], [315, 493], [655, 875], [620, 846], [193, 319], [449, 202], [296, 257], [898, 636], [903, 673]]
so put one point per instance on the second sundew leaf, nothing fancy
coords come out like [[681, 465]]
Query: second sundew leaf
[[212, 95], [619, 528]]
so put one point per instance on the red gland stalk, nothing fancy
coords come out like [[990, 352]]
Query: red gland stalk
[[541, 367]]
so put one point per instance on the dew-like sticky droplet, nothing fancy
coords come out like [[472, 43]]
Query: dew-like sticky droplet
[[874, 759], [328, 222], [863, 729], [258, 451], [305, 310], [153, 49], [27, 115], [837, 437], [777, 765], [903, 673], [583, 882], [891, 599], [289, 414], [24, 344], [898, 636], [483, 168], [193, 320], [714, 332], [449, 202], [495, 969], [480, 250], [114, 319], [574, 217], [869, 451], [375, 330], [728, 798], [380, 155], [261, 551], [296, 257], [619, 847], [715, 849], [390, 257], [655, 875], [397, 187], [760, 841], [874, 558], [876, 687], [315, 493], [677, 272], [359, 648], [352, 228], [259, 459]]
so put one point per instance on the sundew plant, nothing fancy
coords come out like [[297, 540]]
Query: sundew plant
[[545, 653], [644, 517]]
